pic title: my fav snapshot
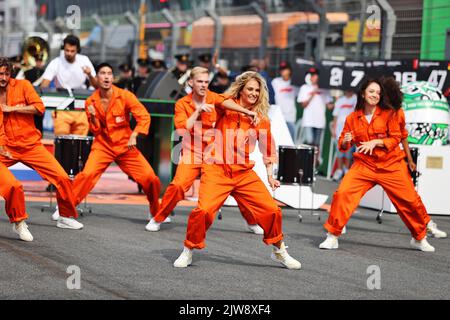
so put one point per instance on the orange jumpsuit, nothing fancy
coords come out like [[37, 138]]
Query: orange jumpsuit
[[70, 122], [385, 167], [24, 143], [229, 172], [190, 164], [402, 123], [112, 133], [11, 189]]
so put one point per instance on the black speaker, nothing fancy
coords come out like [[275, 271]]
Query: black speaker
[[161, 85]]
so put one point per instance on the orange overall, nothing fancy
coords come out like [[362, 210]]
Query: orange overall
[[24, 143], [402, 123], [190, 164], [230, 172], [385, 167], [11, 189], [112, 133]]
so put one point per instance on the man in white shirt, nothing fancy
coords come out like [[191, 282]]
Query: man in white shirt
[[71, 70], [314, 101], [285, 94], [342, 108]]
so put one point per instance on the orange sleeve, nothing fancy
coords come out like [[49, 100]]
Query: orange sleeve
[[347, 128], [2, 131], [95, 129], [139, 112], [32, 98], [218, 103], [266, 143], [394, 133], [181, 115], [402, 123]]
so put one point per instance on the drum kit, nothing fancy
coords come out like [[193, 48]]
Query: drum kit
[[296, 166], [72, 152]]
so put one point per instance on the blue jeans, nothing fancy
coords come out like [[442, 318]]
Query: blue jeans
[[312, 135], [291, 127]]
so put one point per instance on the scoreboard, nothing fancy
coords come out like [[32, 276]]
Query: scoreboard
[[348, 75]]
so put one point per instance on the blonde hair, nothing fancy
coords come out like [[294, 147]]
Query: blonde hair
[[261, 106], [198, 70]]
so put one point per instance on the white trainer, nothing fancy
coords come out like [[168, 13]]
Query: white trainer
[[153, 226], [331, 242], [344, 230], [21, 229], [55, 215], [68, 223], [282, 256], [167, 220], [185, 259], [338, 174], [422, 245], [256, 229], [433, 231]]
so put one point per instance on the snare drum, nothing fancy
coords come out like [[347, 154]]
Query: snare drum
[[296, 164], [72, 152]]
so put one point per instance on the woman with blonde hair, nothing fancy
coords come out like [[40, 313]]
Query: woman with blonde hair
[[229, 172]]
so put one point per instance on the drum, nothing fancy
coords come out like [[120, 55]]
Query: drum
[[296, 164], [72, 152], [415, 155]]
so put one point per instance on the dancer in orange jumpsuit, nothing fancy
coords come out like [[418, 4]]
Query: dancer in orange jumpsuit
[[12, 191], [19, 103], [374, 128], [394, 98], [196, 108], [108, 110], [230, 172]]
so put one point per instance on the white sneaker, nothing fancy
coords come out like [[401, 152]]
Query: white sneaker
[[21, 229], [331, 242], [153, 226], [433, 231], [338, 174], [68, 223], [185, 259], [344, 230], [55, 215], [422, 245], [256, 229], [167, 220], [282, 256]]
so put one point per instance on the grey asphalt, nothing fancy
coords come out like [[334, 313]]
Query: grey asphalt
[[118, 259]]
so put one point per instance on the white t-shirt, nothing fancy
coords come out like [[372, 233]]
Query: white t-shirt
[[68, 75], [342, 108], [285, 94], [314, 113]]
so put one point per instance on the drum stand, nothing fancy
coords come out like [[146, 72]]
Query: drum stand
[[50, 205], [380, 214]]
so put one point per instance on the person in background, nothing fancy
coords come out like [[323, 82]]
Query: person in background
[[126, 77], [342, 108], [34, 75], [71, 70], [314, 101], [143, 71], [285, 95], [181, 67]]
